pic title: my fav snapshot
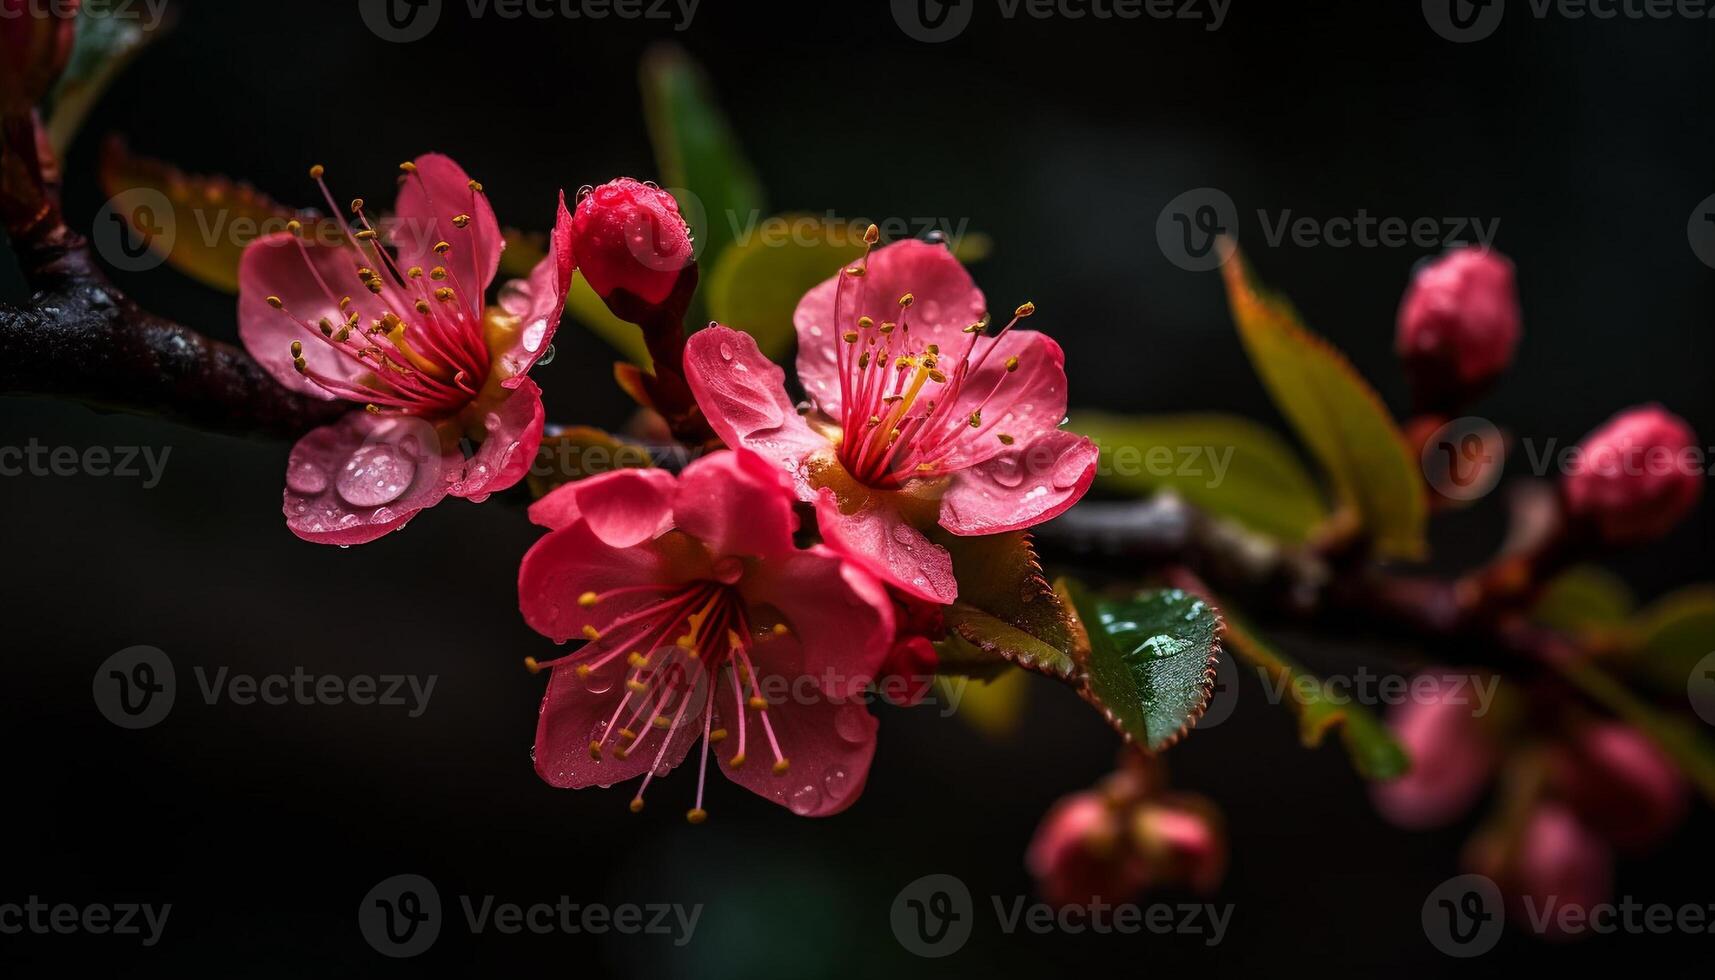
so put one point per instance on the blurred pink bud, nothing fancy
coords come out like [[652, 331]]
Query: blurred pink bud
[[1620, 784], [1078, 854], [1635, 477], [1183, 841], [1458, 325], [1554, 863], [1451, 762], [35, 41]]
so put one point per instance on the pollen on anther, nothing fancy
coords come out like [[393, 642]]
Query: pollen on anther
[[276, 302], [442, 248], [637, 804], [591, 633], [637, 660], [1005, 439], [317, 171], [588, 599], [297, 349], [906, 301], [408, 167], [294, 226], [757, 703], [1025, 310], [532, 665], [585, 670], [475, 185], [717, 735], [662, 721], [461, 220], [696, 816], [1011, 364], [357, 205], [595, 751], [781, 766], [736, 761]]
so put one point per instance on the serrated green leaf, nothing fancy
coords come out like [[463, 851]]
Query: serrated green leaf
[[1224, 464], [1374, 752], [698, 152], [1337, 414], [1006, 609], [1150, 665]]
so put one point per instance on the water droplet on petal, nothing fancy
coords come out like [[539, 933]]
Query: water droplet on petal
[[852, 725], [726, 352], [375, 475], [547, 357], [805, 799], [835, 781], [599, 682], [304, 476]]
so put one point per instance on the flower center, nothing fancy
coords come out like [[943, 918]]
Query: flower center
[[424, 354], [694, 635], [910, 410]]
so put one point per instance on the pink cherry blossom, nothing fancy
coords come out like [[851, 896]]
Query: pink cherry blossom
[[1452, 761], [404, 334], [919, 418], [700, 617]]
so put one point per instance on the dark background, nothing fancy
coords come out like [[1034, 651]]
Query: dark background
[[265, 826]]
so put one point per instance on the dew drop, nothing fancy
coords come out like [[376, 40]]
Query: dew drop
[[835, 781], [547, 357], [375, 475], [303, 476], [599, 682], [852, 725], [805, 799], [726, 352]]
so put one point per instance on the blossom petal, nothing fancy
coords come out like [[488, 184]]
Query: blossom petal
[[828, 743], [354, 480], [566, 564], [743, 395], [574, 715], [281, 266], [428, 202], [537, 303], [512, 428], [839, 617], [623, 507], [882, 542], [1022, 487], [738, 504], [945, 302], [1020, 404]]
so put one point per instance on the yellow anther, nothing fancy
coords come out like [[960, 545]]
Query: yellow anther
[[344, 301], [438, 273], [294, 226], [408, 167], [851, 336], [736, 761], [637, 804], [299, 365], [696, 816], [595, 751], [781, 766], [461, 220], [327, 327], [757, 703], [938, 377], [628, 734], [297, 349], [442, 248], [871, 235], [1025, 310], [415, 272], [977, 419], [662, 721], [636, 686], [1005, 439], [584, 671], [532, 665], [780, 629], [717, 735], [444, 293], [276, 303], [588, 599], [591, 633], [475, 185], [317, 171], [423, 307], [1011, 364], [906, 301], [856, 271], [637, 660], [357, 205], [887, 326], [864, 323], [371, 408]]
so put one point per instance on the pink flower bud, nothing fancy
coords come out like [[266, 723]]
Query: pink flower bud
[[35, 41], [1620, 784], [1451, 762], [1183, 841], [629, 237], [1636, 477], [1079, 855], [1553, 863], [1458, 325]]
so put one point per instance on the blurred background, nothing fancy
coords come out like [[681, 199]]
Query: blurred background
[[1063, 139]]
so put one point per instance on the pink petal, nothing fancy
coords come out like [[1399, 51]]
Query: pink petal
[[1451, 762], [879, 540], [513, 433], [743, 395], [538, 302], [828, 744], [946, 302], [567, 563], [276, 266], [423, 217], [622, 507], [738, 504], [1022, 487], [1024, 403], [363, 476], [574, 715], [840, 620]]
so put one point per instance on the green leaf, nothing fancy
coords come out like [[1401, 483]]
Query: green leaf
[[1224, 464], [757, 283], [1006, 610], [1374, 752], [105, 45], [697, 151], [1150, 665], [1337, 414], [1585, 599], [1673, 634], [1682, 741]]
